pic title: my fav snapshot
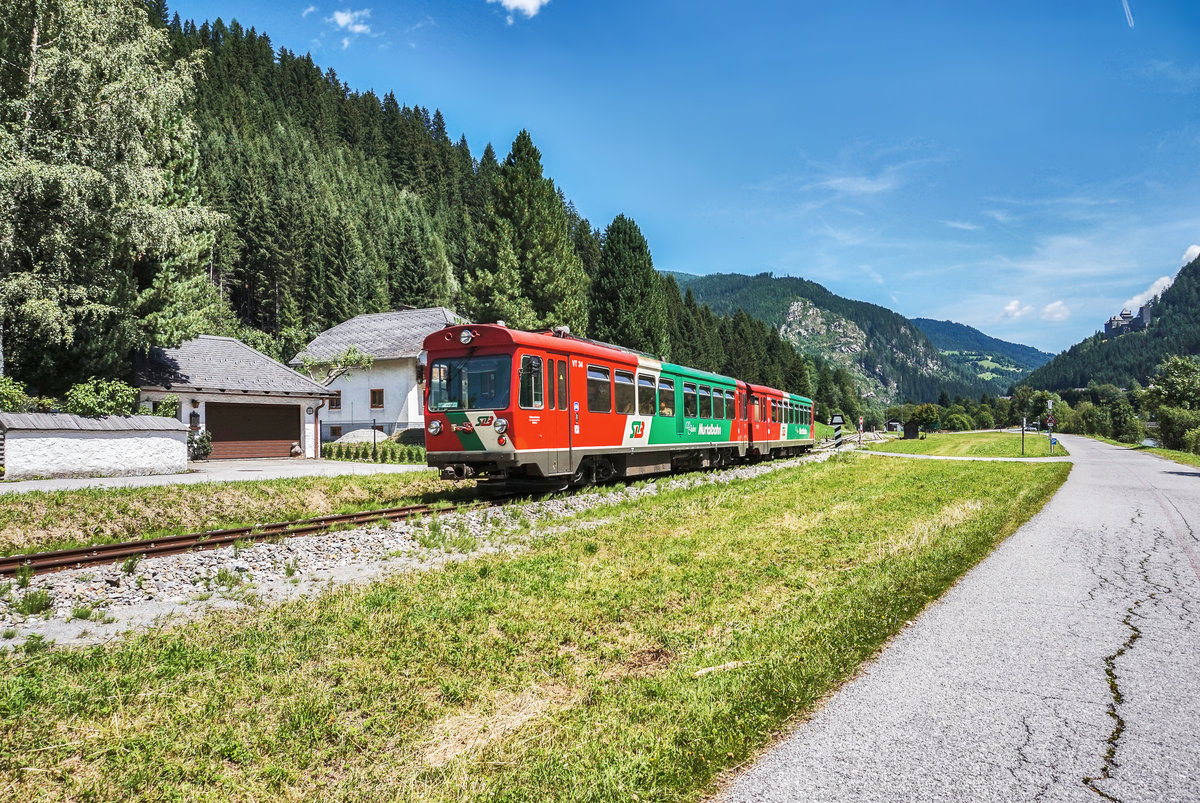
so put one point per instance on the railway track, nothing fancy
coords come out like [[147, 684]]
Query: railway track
[[100, 554]]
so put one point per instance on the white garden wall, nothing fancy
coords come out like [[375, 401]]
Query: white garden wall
[[74, 453]]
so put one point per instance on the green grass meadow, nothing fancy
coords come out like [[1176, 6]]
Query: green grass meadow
[[974, 444], [634, 653]]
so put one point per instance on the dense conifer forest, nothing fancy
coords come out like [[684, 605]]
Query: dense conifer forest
[[238, 188]]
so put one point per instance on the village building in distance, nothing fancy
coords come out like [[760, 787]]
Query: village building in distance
[[386, 395]]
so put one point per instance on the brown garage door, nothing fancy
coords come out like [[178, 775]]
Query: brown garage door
[[252, 430]]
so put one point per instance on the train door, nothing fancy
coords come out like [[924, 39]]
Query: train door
[[558, 413]]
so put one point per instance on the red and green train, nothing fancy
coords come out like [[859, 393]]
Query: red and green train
[[511, 404]]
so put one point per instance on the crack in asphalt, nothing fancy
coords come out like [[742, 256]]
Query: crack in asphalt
[[1114, 685]]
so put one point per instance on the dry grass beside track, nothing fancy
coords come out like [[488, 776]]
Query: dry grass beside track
[[39, 520]]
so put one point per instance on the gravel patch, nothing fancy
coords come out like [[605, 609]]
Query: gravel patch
[[100, 603]]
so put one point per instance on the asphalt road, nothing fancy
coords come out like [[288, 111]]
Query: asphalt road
[[1065, 667]]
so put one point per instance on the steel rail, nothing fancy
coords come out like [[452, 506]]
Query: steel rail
[[100, 554]]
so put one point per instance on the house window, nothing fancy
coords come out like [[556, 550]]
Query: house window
[[335, 433], [376, 398], [336, 402], [625, 393], [599, 390]]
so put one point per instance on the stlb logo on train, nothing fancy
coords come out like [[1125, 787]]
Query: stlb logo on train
[[639, 428]]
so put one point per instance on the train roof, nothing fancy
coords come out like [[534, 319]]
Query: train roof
[[768, 390], [496, 335], [493, 334]]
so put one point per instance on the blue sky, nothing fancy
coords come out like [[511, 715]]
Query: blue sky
[[1022, 167]]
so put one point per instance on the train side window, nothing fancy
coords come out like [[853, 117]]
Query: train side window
[[666, 398], [645, 395], [562, 385], [705, 401], [689, 400], [550, 385], [774, 412], [624, 395], [599, 390], [730, 405], [718, 410], [530, 396]]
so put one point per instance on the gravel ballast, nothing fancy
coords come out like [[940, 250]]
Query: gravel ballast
[[94, 604]]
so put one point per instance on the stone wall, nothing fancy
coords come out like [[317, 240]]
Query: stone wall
[[65, 453]]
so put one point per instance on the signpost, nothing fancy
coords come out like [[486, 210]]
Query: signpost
[[860, 431], [836, 422], [1024, 426], [1050, 424]]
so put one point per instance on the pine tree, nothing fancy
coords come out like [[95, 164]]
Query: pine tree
[[627, 305], [552, 276]]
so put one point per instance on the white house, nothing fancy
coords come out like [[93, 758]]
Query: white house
[[251, 405], [385, 396]]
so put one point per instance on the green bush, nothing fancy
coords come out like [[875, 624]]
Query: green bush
[[97, 397], [1174, 423], [199, 445], [168, 406], [1191, 441]]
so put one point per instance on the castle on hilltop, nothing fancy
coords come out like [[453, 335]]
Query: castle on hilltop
[[1127, 322]]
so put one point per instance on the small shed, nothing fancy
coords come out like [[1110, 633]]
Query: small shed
[[61, 445], [912, 430], [894, 425], [251, 405]]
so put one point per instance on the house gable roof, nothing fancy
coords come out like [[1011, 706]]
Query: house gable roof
[[383, 335], [221, 364]]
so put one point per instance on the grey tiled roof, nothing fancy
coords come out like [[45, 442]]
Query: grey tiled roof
[[109, 423], [221, 364], [383, 335]]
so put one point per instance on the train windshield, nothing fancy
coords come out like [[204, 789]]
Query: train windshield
[[470, 383]]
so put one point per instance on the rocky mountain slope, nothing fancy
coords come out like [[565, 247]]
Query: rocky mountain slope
[[889, 354]]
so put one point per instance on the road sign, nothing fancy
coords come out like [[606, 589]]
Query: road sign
[[1050, 421], [837, 420], [1054, 441]]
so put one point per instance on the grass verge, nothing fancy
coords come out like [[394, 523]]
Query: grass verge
[[1185, 458], [39, 520], [974, 444], [632, 654]]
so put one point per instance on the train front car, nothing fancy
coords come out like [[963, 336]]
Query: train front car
[[470, 401]]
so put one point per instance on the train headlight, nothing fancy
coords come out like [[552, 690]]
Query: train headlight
[[465, 337], [435, 427], [500, 425]]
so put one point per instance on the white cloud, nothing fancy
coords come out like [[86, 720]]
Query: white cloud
[[345, 42], [1014, 311], [352, 21], [1055, 311], [862, 185], [1177, 78], [998, 215], [1153, 291], [1190, 255], [527, 7], [308, 11], [1128, 13], [958, 224]]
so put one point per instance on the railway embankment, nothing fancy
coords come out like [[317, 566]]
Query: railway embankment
[[638, 647]]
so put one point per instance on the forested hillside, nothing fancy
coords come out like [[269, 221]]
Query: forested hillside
[[164, 179], [951, 336], [1122, 360], [882, 349]]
